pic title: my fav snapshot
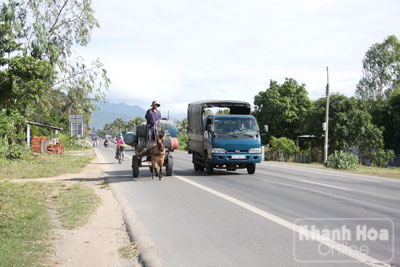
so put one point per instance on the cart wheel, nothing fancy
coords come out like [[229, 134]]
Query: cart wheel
[[198, 167], [135, 166], [170, 166]]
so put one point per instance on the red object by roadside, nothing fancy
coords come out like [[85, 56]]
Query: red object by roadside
[[174, 143]]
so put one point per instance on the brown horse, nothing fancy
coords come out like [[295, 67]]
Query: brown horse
[[157, 155]]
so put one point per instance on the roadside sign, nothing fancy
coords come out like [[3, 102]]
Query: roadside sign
[[76, 125]]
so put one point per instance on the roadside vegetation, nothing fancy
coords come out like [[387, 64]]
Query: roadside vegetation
[[129, 251], [38, 166], [65, 140], [76, 204], [388, 172], [24, 223]]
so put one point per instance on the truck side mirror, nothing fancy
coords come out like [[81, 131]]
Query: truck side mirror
[[266, 128]]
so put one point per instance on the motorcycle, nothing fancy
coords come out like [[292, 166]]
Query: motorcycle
[[106, 143]]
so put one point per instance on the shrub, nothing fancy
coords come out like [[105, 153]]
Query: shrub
[[14, 151], [3, 148], [342, 160], [284, 145], [381, 158], [183, 141]]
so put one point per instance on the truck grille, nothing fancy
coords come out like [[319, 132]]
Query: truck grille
[[237, 151]]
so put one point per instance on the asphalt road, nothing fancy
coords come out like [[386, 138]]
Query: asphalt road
[[236, 219]]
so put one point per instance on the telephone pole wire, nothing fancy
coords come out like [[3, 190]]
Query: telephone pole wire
[[326, 116]]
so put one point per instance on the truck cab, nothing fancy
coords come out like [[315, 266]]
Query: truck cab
[[230, 141]]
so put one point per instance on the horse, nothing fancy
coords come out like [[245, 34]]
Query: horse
[[157, 154]]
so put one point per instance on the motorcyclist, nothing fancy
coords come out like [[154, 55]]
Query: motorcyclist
[[153, 116], [120, 144], [106, 142]]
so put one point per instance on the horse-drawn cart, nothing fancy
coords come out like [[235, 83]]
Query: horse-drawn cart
[[140, 144]]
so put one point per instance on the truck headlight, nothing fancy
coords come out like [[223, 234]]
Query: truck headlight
[[215, 150], [255, 150]]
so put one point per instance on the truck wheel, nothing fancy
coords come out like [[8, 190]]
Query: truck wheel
[[251, 168], [209, 167], [170, 166], [135, 166]]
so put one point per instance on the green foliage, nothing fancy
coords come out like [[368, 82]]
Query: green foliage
[[182, 134], [342, 160], [182, 125], [284, 145], [283, 108], [393, 136], [381, 158], [40, 76], [132, 124], [65, 140], [350, 124], [183, 141], [3, 148], [381, 70], [18, 151]]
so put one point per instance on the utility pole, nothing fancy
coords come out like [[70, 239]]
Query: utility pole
[[326, 116]]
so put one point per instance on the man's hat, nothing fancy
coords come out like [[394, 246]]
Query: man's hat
[[155, 103]]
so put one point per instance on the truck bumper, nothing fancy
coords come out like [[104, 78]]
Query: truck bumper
[[228, 158]]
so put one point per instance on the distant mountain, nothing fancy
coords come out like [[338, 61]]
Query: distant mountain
[[111, 111]]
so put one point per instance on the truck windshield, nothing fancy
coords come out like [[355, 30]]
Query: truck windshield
[[235, 126]]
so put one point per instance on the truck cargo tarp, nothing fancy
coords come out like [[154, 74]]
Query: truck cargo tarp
[[196, 109]]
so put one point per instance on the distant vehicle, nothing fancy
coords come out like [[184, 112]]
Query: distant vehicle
[[223, 141]]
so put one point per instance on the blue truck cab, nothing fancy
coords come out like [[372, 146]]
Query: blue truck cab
[[227, 141]]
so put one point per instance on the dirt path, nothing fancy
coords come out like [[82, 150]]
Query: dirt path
[[96, 243]]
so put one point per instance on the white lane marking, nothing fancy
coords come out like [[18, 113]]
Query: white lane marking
[[351, 252], [327, 185], [326, 172]]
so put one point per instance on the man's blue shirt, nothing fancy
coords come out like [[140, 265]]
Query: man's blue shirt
[[151, 117]]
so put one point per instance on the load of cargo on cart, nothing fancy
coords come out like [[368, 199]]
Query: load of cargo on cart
[[140, 142]]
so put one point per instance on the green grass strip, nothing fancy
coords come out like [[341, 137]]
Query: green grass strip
[[76, 204], [44, 166], [24, 223]]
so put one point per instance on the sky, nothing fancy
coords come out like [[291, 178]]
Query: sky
[[181, 51]]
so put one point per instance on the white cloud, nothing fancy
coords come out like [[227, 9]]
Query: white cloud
[[180, 51]]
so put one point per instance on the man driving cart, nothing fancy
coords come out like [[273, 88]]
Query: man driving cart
[[153, 116]]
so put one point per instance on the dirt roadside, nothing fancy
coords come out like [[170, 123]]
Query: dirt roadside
[[97, 243]]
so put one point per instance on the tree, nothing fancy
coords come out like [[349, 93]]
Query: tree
[[381, 70], [350, 124], [24, 81], [135, 122], [182, 133], [283, 108], [394, 111], [182, 126], [46, 32]]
